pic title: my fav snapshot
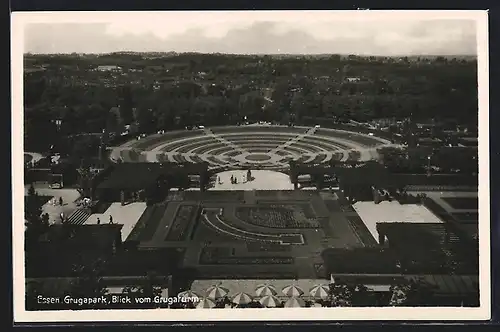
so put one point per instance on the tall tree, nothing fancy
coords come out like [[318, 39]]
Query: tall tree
[[85, 180], [35, 224], [343, 294], [88, 282], [412, 293], [126, 105]]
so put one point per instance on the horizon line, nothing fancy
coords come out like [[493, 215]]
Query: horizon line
[[251, 54]]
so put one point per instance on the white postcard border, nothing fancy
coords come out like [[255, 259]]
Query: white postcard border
[[18, 22]]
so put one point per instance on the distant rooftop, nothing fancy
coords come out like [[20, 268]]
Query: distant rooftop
[[108, 67]]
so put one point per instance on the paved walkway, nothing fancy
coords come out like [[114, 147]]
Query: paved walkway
[[127, 216], [262, 180]]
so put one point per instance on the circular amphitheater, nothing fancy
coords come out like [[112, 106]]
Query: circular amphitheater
[[257, 146]]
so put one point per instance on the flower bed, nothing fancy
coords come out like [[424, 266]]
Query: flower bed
[[181, 144], [278, 216], [318, 158], [214, 160], [351, 136], [182, 221]]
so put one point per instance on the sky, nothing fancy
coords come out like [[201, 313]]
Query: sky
[[252, 32]]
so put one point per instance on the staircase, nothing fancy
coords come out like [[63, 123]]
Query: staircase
[[78, 217]]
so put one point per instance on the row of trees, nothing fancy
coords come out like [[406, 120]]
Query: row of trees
[[422, 160]]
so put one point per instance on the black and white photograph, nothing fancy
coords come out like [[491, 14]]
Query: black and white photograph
[[261, 165]]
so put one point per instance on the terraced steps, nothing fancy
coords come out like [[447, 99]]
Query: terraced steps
[[78, 217]]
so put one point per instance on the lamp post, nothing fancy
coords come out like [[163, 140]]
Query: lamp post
[[58, 123]]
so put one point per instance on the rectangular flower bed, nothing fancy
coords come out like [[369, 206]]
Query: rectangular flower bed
[[179, 229]]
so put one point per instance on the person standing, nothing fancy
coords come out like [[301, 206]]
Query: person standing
[[98, 221], [110, 219], [60, 201]]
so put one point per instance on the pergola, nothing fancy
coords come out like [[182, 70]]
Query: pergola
[[351, 179], [317, 172], [358, 181], [156, 178]]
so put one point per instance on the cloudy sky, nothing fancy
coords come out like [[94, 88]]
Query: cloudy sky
[[251, 32]]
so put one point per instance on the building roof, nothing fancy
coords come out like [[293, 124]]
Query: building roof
[[450, 284], [392, 212], [412, 236], [423, 248]]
